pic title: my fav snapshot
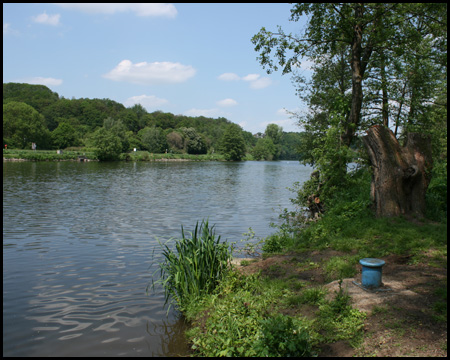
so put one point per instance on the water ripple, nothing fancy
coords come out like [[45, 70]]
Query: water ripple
[[78, 239]]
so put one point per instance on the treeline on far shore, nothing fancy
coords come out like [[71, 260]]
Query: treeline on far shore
[[36, 117]]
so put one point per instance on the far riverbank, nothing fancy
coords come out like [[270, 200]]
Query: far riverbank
[[89, 155]]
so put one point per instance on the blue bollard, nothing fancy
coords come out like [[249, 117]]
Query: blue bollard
[[371, 272]]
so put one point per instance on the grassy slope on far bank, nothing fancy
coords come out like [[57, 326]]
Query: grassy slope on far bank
[[52, 155]]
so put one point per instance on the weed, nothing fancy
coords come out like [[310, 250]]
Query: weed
[[196, 267], [283, 336], [252, 244], [312, 296], [275, 243], [245, 263], [337, 320], [235, 310]]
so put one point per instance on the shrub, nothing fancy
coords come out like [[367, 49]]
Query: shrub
[[275, 243], [283, 336]]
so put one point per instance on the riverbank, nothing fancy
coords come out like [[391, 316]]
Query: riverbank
[[48, 155], [89, 155], [308, 288]]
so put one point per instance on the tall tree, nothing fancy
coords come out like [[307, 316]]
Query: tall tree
[[232, 143], [368, 37], [23, 125]]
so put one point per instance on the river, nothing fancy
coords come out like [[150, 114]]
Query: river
[[78, 240]]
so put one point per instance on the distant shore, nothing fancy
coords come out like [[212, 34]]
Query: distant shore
[[89, 155]]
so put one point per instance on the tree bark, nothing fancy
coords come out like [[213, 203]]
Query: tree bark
[[359, 60], [401, 174]]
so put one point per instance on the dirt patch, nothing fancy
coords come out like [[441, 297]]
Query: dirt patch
[[401, 319]]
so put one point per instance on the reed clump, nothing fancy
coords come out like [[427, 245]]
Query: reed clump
[[194, 266]]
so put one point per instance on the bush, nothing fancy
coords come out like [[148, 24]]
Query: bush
[[283, 336], [275, 243]]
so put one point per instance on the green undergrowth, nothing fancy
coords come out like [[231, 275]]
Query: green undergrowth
[[349, 225], [244, 316]]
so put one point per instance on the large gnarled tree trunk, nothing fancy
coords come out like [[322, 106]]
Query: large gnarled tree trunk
[[401, 175]]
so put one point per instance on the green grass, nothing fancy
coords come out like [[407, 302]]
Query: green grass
[[146, 156], [373, 237], [47, 155]]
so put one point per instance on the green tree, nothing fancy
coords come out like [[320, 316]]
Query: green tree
[[108, 145], [233, 144], [175, 141], [275, 133], [23, 125], [264, 149], [153, 139], [194, 142], [64, 136], [383, 44], [366, 36], [118, 128], [37, 96]]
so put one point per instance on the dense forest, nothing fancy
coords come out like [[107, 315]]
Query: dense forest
[[35, 114]]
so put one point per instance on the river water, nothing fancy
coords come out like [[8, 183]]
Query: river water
[[78, 240]]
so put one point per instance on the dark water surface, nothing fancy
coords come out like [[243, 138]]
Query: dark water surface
[[78, 241]]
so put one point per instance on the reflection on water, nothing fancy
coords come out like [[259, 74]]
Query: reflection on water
[[78, 241]]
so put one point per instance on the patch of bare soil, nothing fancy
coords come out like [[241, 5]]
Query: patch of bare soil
[[400, 318]]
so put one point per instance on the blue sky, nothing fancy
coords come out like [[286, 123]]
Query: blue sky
[[191, 59]]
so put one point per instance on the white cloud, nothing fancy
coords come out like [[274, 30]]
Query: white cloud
[[149, 102], [251, 77], [150, 73], [229, 77], [45, 19], [227, 102], [255, 80], [260, 83], [140, 9], [41, 81], [203, 112], [6, 28]]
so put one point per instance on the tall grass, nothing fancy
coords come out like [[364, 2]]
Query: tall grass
[[195, 266]]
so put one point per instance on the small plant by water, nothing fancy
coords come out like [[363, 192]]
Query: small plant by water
[[194, 266], [283, 336]]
